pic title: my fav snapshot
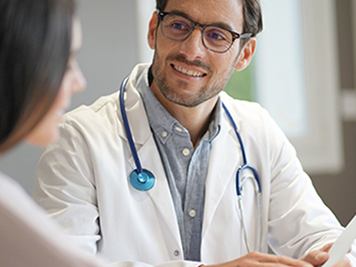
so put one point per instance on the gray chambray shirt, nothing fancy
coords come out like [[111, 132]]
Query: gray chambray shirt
[[185, 168]]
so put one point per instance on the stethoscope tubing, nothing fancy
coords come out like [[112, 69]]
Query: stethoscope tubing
[[245, 165], [127, 126], [143, 180]]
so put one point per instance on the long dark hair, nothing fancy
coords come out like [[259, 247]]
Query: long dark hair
[[35, 39]]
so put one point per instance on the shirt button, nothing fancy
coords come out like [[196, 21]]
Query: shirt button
[[192, 213], [178, 129], [164, 134], [176, 253], [186, 151]]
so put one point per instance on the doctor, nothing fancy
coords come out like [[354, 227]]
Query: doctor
[[189, 213]]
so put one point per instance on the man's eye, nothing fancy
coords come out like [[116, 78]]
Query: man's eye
[[179, 26], [217, 35]]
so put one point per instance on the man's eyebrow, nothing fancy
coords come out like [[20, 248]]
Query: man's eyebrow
[[218, 24]]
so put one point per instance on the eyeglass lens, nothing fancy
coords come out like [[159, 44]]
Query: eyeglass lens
[[178, 28]]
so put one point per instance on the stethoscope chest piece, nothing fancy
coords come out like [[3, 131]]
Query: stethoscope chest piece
[[142, 181]]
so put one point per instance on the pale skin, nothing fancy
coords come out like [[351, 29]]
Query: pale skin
[[47, 131], [191, 98]]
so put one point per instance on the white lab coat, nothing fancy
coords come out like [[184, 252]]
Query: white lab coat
[[83, 183]]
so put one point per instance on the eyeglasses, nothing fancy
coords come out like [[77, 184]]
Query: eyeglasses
[[214, 38]]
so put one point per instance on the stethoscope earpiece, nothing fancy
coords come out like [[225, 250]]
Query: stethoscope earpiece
[[142, 181]]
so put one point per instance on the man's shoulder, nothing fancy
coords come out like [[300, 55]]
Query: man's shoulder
[[97, 120], [103, 109], [242, 108]]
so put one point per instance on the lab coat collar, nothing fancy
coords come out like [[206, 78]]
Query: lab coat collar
[[219, 177], [135, 109]]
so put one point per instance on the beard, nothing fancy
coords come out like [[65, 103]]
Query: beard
[[180, 95]]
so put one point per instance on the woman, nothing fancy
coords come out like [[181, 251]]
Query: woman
[[38, 75]]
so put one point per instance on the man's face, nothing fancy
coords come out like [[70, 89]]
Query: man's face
[[186, 72]]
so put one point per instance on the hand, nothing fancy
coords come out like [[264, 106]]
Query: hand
[[343, 263], [320, 256], [260, 259]]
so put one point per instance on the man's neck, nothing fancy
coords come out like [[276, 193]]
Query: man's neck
[[194, 119]]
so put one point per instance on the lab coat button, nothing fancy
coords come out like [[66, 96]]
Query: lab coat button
[[176, 253], [186, 151], [192, 213]]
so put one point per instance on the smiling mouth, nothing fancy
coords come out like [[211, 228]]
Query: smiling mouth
[[188, 72]]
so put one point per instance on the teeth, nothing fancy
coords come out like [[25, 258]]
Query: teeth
[[188, 72]]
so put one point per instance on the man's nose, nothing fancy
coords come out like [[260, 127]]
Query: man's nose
[[193, 46]]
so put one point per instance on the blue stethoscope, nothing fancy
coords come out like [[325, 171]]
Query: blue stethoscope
[[143, 180]]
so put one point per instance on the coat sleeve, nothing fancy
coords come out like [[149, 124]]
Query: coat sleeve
[[298, 220], [65, 187]]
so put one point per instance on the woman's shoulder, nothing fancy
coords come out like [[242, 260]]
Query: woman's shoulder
[[26, 231], [14, 198], [9, 187]]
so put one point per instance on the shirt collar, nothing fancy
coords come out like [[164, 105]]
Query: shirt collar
[[162, 123]]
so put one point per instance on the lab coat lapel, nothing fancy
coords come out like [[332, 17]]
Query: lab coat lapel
[[149, 157], [160, 193], [135, 112], [224, 161]]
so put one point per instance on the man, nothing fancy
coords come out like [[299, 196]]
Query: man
[[184, 136]]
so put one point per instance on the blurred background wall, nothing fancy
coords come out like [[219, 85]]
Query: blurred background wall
[[114, 40], [339, 190]]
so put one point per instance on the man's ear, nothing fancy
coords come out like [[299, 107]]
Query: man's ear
[[151, 36], [246, 54]]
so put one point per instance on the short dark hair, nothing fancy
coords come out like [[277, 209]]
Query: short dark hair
[[35, 39], [251, 11]]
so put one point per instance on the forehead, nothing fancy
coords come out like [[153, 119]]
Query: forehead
[[229, 12]]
